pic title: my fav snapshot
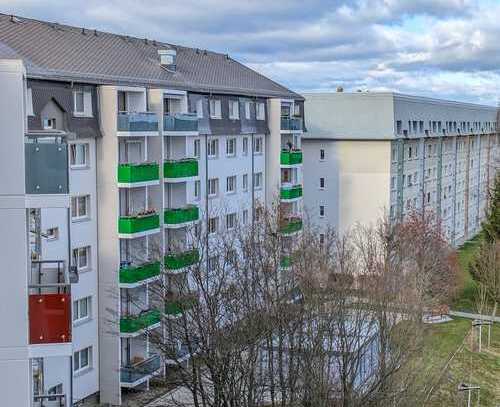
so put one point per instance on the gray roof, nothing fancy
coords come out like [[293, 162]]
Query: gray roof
[[61, 52]]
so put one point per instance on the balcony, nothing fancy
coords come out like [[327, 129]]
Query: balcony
[[46, 164], [134, 123], [290, 194], [49, 400], [130, 227], [180, 123], [285, 262], [131, 376], [175, 307], [291, 226], [176, 262], [137, 175], [291, 157], [180, 170], [180, 354], [137, 324], [134, 276], [49, 303], [181, 217], [291, 124]]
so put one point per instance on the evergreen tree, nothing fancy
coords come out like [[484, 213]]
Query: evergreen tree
[[491, 225]]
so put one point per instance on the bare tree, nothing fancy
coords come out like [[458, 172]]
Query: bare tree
[[266, 317]]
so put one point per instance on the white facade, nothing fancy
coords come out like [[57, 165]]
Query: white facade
[[387, 154]]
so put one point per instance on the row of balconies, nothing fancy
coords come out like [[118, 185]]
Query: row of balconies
[[173, 170], [180, 122], [133, 275], [173, 218], [148, 122]]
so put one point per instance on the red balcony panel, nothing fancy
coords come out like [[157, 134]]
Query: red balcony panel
[[50, 318]]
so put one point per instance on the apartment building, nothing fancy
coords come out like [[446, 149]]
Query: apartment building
[[370, 154], [121, 151]]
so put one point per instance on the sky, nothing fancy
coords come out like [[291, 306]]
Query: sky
[[440, 48]]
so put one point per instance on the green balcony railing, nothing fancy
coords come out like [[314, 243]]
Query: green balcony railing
[[136, 274], [136, 224], [130, 173], [178, 216], [181, 260], [291, 226], [291, 193], [286, 262], [180, 122], [178, 306], [187, 167], [131, 324], [291, 123], [291, 157], [137, 122]]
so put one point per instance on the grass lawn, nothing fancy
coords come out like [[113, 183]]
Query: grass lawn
[[481, 369], [465, 301]]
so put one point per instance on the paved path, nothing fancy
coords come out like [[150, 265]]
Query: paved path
[[473, 316]]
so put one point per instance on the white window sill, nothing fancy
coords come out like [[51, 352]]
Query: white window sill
[[234, 118], [257, 153], [212, 157], [216, 117], [81, 321], [80, 219], [230, 192], [83, 371], [79, 167], [84, 115], [230, 155], [257, 188], [260, 119], [213, 196]]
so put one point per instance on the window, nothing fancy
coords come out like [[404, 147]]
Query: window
[[322, 183], [409, 180], [213, 225], [81, 309], [122, 101], [257, 145], [230, 221], [215, 110], [52, 233], [399, 126], [231, 147], [260, 111], [82, 360], [321, 239], [80, 207], [231, 184], [29, 102], [197, 190], [213, 148], [245, 182], [79, 155], [257, 180], [247, 110], [393, 182], [245, 216], [82, 103], [245, 145], [212, 263], [428, 197], [213, 186], [234, 110], [199, 108], [49, 124], [81, 258], [322, 154], [296, 110], [197, 148], [321, 210]]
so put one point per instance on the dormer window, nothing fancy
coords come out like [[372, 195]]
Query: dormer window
[[82, 103], [49, 124]]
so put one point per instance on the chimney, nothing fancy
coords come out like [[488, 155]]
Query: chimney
[[168, 58], [340, 89]]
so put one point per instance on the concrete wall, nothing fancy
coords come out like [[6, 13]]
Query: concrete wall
[[15, 372], [109, 253], [357, 175]]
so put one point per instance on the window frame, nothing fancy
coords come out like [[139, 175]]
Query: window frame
[[231, 141], [216, 109], [260, 111], [77, 367], [86, 216], [73, 155], [233, 181], [213, 143], [77, 309], [76, 256], [234, 110], [216, 183]]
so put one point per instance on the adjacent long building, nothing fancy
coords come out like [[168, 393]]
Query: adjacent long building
[[370, 154], [112, 148]]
